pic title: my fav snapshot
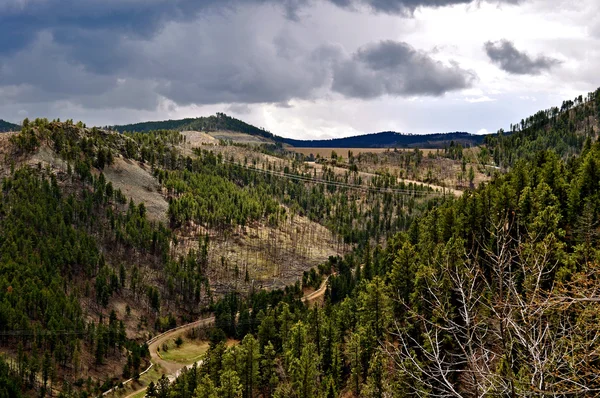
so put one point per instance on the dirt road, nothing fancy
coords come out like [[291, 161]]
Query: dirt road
[[173, 369], [154, 345], [317, 294]]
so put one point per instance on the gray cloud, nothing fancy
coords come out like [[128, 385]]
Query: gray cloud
[[240, 109], [408, 7], [139, 54], [199, 62], [209, 63], [396, 68], [504, 54], [99, 23], [212, 63]]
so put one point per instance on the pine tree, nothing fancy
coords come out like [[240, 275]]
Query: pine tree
[[304, 372], [375, 386], [249, 365], [354, 353], [268, 372], [230, 385], [206, 389], [375, 308]]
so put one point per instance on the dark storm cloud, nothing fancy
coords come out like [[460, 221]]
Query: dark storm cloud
[[187, 63], [504, 54], [213, 64], [98, 23], [408, 7], [396, 68], [135, 53], [21, 20]]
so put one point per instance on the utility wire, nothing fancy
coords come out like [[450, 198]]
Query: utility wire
[[340, 184]]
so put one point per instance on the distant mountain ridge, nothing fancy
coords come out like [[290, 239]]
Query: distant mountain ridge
[[7, 126], [390, 139], [386, 139]]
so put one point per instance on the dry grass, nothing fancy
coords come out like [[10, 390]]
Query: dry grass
[[140, 394]]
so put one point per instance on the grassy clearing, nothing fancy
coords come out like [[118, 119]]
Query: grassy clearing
[[140, 394], [152, 376], [188, 353]]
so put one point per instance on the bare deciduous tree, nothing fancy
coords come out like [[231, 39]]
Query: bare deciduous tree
[[513, 325]]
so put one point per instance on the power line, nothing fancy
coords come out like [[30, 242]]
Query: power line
[[338, 183]]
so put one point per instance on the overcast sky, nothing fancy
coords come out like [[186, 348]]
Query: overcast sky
[[299, 68]]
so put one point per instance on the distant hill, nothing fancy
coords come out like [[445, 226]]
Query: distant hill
[[217, 122], [7, 126], [390, 139]]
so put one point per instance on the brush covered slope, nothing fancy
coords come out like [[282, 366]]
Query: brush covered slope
[[67, 276], [87, 274]]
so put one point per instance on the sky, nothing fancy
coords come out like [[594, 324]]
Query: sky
[[299, 68]]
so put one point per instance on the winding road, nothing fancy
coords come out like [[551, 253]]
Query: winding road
[[172, 369]]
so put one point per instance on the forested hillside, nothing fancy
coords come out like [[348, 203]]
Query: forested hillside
[[86, 276], [7, 126], [217, 122], [67, 238], [565, 130], [494, 294]]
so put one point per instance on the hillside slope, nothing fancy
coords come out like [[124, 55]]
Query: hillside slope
[[7, 126], [218, 122], [494, 294], [112, 237], [87, 273], [108, 238]]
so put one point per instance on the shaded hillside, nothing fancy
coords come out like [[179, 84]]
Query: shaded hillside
[[7, 126], [390, 139], [217, 122], [564, 130]]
